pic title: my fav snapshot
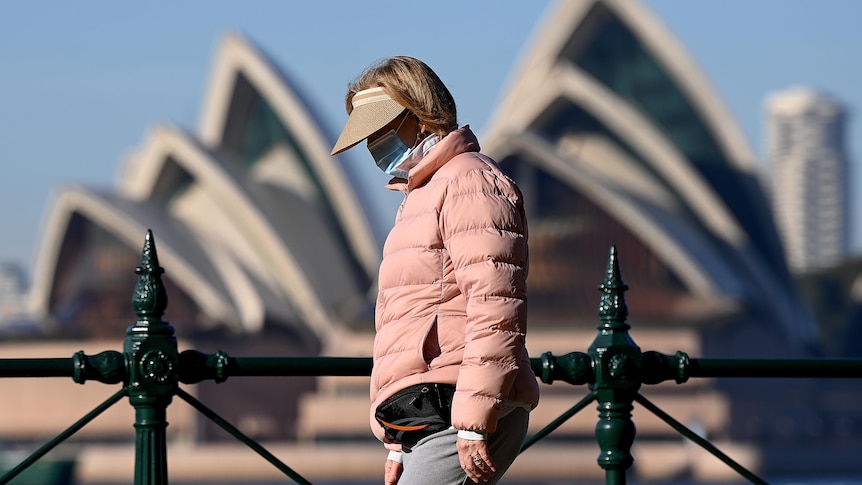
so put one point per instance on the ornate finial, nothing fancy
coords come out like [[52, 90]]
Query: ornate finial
[[612, 307], [150, 298]]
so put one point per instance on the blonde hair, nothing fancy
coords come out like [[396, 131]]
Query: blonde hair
[[413, 85]]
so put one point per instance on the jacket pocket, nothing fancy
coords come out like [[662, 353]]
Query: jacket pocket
[[431, 344], [398, 350]]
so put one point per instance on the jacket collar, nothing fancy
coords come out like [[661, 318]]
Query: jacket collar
[[455, 143]]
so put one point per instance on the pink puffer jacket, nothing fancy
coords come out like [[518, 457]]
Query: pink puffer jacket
[[451, 306]]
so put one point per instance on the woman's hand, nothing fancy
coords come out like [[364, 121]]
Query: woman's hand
[[475, 460], [392, 472]]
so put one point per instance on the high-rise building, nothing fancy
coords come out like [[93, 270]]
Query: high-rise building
[[806, 148]]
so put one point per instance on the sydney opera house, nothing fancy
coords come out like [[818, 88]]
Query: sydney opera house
[[615, 136]]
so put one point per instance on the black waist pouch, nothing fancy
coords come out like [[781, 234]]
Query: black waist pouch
[[416, 412]]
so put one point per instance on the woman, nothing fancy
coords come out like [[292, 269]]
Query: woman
[[451, 386]]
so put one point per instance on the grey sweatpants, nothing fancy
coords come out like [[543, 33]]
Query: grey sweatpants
[[434, 460]]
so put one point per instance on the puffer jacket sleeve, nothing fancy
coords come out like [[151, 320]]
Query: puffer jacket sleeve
[[484, 230]]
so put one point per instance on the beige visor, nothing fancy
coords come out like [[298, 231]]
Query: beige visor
[[372, 110]]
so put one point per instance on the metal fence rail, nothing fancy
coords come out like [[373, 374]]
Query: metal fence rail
[[150, 368]]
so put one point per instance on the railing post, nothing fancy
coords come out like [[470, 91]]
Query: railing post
[[618, 363], [152, 358]]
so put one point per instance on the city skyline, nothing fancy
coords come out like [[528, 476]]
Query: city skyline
[[74, 104]]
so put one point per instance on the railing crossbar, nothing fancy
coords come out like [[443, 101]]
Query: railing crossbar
[[694, 437], [236, 433], [775, 368], [312, 366], [52, 367], [299, 366], [47, 447]]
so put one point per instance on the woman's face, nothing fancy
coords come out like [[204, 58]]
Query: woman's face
[[408, 132]]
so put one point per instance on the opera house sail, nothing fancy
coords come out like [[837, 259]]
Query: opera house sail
[[242, 211], [617, 138]]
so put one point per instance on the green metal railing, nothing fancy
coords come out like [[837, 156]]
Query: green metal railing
[[150, 368]]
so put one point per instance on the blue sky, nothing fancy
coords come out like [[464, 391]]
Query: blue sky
[[82, 83]]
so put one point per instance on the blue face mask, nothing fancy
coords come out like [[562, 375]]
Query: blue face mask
[[389, 151]]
